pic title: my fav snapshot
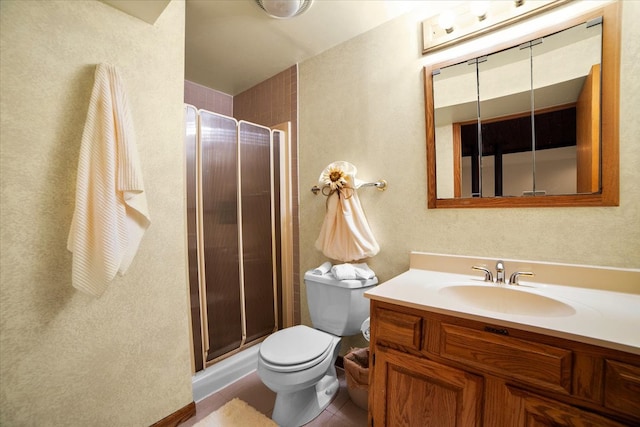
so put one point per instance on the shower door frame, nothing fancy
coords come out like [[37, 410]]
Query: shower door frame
[[283, 302], [286, 224]]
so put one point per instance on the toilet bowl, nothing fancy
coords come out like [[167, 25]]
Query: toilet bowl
[[304, 384], [298, 363]]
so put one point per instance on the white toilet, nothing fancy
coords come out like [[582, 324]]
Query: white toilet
[[298, 363]]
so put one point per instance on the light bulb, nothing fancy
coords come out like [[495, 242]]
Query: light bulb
[[446, 20], [479, 9]]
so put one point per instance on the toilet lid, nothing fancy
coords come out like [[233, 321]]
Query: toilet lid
[[295, 345]]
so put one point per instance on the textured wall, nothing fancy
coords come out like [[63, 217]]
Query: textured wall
[[67, 358], [373, 116]]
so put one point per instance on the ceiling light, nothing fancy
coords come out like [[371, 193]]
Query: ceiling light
[[284, 9]]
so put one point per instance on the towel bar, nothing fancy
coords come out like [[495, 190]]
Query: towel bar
[[380, 185]]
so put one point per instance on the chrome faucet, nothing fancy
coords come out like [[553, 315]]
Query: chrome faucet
[[499, 272]]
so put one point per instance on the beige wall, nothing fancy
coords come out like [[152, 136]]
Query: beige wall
[[67, 358], [372, 115]]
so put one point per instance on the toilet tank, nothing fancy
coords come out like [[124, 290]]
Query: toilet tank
[[337, 306]]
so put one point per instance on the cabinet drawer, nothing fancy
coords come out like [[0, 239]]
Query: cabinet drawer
[[538, 364], [536, 410], [398, 328], [622, 387]]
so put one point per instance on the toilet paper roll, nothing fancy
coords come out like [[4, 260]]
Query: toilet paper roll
[[365, 329]]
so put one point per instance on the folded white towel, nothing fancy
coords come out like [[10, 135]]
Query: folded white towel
[[363, 271], [322, 269], [111, 213], [352, 271], [344, 272]]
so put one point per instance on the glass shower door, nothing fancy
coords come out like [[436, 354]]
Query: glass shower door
[[220, 233], [256, 172]]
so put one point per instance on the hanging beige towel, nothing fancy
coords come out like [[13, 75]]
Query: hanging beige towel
[[111, 213], [345, 234]]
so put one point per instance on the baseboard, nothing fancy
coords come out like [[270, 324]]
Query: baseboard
[[178, 417]]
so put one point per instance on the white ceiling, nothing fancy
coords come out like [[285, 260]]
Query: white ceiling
[[231, 45]]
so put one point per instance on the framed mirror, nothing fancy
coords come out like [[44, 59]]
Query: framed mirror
[[532, 123]]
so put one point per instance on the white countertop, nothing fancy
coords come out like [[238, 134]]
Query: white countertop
[[605, 318]]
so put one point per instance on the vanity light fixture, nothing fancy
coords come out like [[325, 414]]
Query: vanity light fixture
[[284, 9], [474, 18]]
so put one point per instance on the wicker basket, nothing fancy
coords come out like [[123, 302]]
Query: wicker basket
[[356, 367]]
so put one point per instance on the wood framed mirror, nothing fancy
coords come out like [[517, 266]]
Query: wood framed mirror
[[488, 149]]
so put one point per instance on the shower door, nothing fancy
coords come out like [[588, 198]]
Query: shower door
[[220, 234], [237, 235], [258, 198]]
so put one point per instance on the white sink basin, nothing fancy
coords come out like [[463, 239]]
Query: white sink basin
[[502, 299]]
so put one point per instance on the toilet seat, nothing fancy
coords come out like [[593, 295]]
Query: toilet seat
[[295, 349]]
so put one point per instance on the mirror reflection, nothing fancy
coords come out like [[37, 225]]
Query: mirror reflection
[[524, 121]]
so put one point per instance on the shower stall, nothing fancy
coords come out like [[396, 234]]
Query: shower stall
[[236, 203]]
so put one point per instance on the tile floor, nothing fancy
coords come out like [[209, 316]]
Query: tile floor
[[342, 412]]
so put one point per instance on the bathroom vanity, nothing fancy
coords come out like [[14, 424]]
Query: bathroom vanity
[[540, 355]]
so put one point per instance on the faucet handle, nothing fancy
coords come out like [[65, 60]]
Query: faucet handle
[[513, 280], [488, 276]]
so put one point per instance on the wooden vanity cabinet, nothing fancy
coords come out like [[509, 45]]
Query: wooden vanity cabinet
[[430, 369]]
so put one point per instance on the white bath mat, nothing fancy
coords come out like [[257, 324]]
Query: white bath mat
[[236, 413]]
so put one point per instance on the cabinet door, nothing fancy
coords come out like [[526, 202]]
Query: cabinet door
[[530, 410], [412, 391], [622, 387]]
